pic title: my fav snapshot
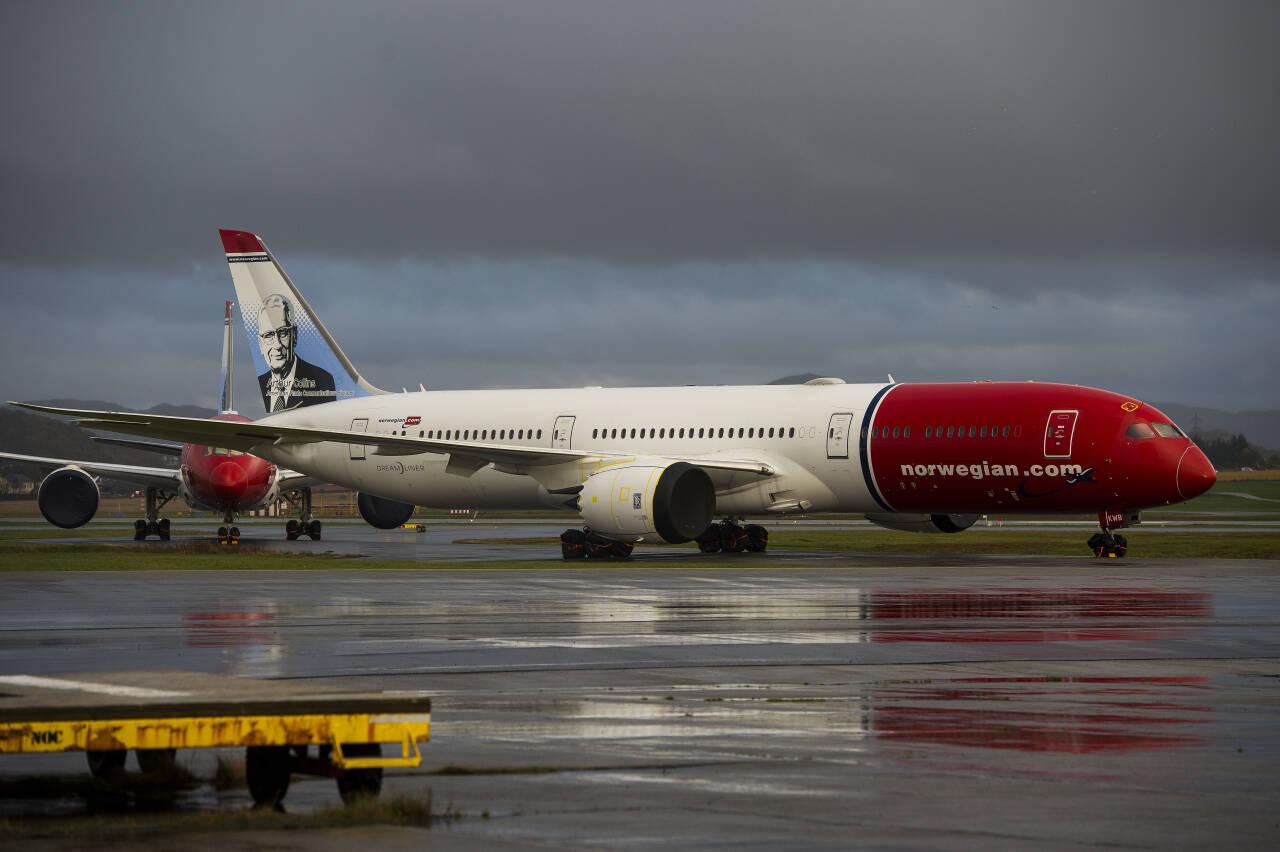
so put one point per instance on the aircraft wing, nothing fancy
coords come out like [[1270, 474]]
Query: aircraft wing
[[162, 477], [468, 455], [147, 446]]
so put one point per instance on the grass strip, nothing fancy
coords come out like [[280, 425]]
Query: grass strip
[[390, 810]]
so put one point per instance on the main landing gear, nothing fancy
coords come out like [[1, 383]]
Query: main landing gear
[[307, 526], [726, 536], [577, 544], [730, 537], [153, 524]]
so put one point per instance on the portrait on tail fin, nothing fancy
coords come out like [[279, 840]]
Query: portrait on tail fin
[[289, 382]]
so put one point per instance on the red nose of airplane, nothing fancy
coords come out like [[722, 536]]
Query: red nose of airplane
[[229, 481], [1195, 474]]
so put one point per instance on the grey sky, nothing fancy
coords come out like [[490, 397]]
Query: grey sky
[[492, 194]]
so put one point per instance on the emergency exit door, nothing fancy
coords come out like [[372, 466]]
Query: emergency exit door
[[562, 432], [838, 436], [1058, 433], [359, 424]]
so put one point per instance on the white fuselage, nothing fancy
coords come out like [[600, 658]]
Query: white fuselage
[[786, 426]]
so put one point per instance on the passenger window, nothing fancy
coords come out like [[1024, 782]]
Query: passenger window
[[421, 434], [770, 431], [792, 432], [906, 431], [982, 433], [721, 432], [751, 433], [950, 431], [1004, 433], [700, 433]]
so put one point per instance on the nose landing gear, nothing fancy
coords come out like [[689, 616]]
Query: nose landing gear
[[1107, 544]]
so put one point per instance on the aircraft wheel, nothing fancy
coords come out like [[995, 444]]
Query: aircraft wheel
[[313, 530], [356, 784], [1121, 546], [139, 530], [162, 529], [234, 535], [291, 530], [622, 549], [157, 761], [733, 538], [572, 544], [267, 769], [709, 541], [223, 533], [757, 538], [106, 765], [599, 547]]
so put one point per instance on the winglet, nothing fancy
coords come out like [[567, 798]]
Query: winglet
[[241, 242]]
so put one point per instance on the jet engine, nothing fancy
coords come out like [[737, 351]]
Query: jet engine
[[68, 497], [923, 523], [383, 513], [651, 500]]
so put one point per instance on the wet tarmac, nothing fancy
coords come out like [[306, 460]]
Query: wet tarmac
[[762, 703], [486, 540]]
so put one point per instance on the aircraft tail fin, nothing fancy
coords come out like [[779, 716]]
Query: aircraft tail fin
[[298, 361]]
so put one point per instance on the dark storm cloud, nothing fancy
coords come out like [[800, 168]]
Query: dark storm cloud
[[481, 194], [640, 131]]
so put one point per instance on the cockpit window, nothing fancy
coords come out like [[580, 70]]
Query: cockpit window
[[1167, 430], [1139, 430]]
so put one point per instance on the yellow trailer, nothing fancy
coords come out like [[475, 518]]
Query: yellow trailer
[[279, 723]]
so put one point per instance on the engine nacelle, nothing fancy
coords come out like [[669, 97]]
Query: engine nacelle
[[383, 513], [651, 500], [68, 497], [923, 523]]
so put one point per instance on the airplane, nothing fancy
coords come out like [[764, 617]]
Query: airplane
[[210, 477], [687, 464]]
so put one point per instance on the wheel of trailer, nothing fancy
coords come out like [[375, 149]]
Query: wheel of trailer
[[267, 769], [157, 761], [106, 765], [356, 784], [757, 538]]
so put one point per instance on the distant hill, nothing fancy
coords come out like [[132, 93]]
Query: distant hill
[[35, 435], [1262, 428]]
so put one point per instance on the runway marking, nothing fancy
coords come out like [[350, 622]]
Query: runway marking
[[89, 686]]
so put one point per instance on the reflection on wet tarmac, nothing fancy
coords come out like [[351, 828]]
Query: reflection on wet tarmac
[[1006, 713]]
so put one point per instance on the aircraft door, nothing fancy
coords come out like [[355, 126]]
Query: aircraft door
[[838, 436], [359, 424], [1058, 432], [562, 432]]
